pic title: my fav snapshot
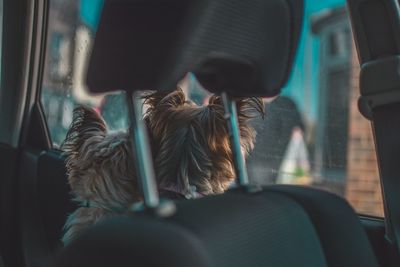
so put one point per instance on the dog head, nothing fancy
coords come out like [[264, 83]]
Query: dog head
[[191, 145], [100, 165]]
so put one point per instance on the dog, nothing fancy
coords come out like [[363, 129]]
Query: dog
[[100, 169], [190, 143], [190, 147]]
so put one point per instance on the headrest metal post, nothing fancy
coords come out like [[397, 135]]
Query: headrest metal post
[[142, 152], [234, 135]]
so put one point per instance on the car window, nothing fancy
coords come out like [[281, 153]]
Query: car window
[[313, 134], [72, 25]]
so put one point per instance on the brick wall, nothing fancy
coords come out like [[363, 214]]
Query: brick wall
[[362, 188]]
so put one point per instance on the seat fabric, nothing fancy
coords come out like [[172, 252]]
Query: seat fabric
[[233, 229], [53, 195], [344, 241]]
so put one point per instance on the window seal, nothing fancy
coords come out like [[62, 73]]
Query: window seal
[[36, 69]]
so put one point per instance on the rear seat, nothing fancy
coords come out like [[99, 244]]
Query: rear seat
[[307, 224], [270, 228], [233, 229], [343, 239], [45, 204], [1, 261], [54, 196]]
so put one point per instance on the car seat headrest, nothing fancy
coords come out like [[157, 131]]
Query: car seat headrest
[[242, 47]]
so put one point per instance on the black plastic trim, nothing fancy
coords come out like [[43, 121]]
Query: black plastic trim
[[16, 39], [34, 110]]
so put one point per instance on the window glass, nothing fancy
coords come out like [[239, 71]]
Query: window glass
[[313, 134], [72, 25]]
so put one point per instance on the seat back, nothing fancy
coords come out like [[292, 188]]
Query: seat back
[[53, 195], [343, 239], [281, 226], [44, 205], [1, 261], [233, 229]]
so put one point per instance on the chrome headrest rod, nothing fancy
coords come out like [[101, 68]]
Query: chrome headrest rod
[[234, 136], [142, 152]]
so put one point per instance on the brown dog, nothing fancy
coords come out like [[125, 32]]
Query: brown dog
[[190, 146], [100, 170]]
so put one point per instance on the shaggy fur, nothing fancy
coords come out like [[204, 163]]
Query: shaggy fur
[[101, 171], [190, 146]]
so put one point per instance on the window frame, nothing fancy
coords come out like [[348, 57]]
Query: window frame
[[22, 57]]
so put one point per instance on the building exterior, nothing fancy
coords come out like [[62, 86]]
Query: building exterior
[[345, 154], [331, 127], [363, 189]]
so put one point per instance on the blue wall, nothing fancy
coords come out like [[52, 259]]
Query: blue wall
[[90, 11], [303, 84]]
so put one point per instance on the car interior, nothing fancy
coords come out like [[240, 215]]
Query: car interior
[[235, 48]]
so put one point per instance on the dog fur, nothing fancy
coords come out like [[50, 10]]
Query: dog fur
[[100, 169], [190, 147], [191, 144]]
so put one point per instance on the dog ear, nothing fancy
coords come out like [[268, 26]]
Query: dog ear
[[87, 130], [159, 105], [250, 108], [86, 123], [247, 109], [164, 100]]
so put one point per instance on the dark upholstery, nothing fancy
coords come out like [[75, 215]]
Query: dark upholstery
[[43, 205], [54, 195], [233, 229], [1, 261], [252, 230], [9, 245], [151, 44], [126, 241], [281, 226], [344, 241]]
